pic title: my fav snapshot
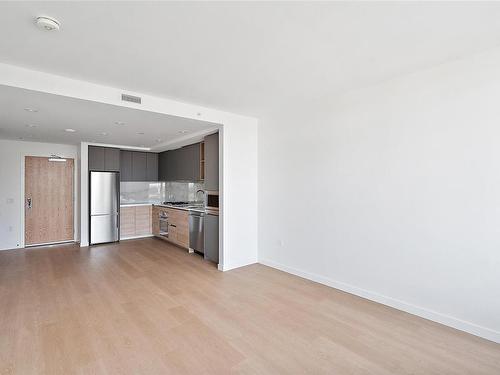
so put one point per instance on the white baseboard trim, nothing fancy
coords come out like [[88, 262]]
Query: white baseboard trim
[[135, 237], [226, 267], [450, 321]]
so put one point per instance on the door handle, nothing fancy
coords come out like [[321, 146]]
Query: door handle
[[28, 203]]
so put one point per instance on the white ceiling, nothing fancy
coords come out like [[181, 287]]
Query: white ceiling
[[56, 113], [244, 57]]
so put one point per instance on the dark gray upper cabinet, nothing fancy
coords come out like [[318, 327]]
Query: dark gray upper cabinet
[[152, 166], [172, 165], [162, 166], [192, 162], [182, 168], [138, 166], [96, 158], [182, 164], [112, 159], [126, 165], [104, 159], [212, 162]]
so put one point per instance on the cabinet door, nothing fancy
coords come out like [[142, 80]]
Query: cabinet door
[[96, 158], [212, 162], [155, 221], [192, 162], [139, 166], [125, 166], [212, 238], [183, 159], [152, 166], [182, 229], [172, 165], [127, 222], [142, 220], [172, 232], [111, 159], [162, 166]]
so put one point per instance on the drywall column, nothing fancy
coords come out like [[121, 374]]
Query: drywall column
[[84, 194]]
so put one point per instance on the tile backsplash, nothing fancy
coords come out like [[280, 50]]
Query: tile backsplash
[[183, 191], [155, 192]]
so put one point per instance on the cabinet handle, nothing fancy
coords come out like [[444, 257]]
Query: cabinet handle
[[172, 225]]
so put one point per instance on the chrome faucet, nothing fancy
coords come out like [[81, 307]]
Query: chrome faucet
[[200, 191]]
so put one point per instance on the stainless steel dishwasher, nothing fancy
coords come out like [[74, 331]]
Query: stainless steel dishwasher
[[196, 231]]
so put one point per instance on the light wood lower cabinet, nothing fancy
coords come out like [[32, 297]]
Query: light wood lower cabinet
[[142, 220], [127, 222], [155, 220], [178, 225], [135, 221]]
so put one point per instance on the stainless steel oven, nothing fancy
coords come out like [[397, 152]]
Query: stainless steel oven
[[163, 218]]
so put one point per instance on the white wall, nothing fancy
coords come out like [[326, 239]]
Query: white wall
[[393, 193], [12, 155]]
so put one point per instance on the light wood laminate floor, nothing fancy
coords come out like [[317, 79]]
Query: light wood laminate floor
[[146, 307]]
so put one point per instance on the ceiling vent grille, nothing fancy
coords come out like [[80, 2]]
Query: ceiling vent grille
[[131, 98]]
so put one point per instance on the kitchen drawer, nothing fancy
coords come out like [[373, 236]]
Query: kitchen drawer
[[177, 214], [172, 233]]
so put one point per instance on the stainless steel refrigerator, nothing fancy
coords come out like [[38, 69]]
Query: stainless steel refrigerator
[[104, 207]]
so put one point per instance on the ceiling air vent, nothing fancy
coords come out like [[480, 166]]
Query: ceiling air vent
[[131, 98]]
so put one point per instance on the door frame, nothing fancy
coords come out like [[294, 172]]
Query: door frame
[[76, 165]]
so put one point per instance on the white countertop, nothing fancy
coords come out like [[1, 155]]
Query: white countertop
[[136, 204], [201, 209]]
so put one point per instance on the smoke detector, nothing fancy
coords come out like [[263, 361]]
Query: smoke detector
[[47, 23]]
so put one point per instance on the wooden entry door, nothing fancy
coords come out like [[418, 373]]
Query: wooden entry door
[[48, 200]]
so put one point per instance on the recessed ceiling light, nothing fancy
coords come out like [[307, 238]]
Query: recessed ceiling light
[[31, 109], [119, 123], [141, 133], [47, 23], [69, 130], [183, 131], [31, 125], [104, 133]]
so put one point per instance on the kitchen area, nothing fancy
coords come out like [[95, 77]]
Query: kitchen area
[[171, 195]]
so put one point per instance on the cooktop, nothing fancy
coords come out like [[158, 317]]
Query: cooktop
[[176, 203]]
